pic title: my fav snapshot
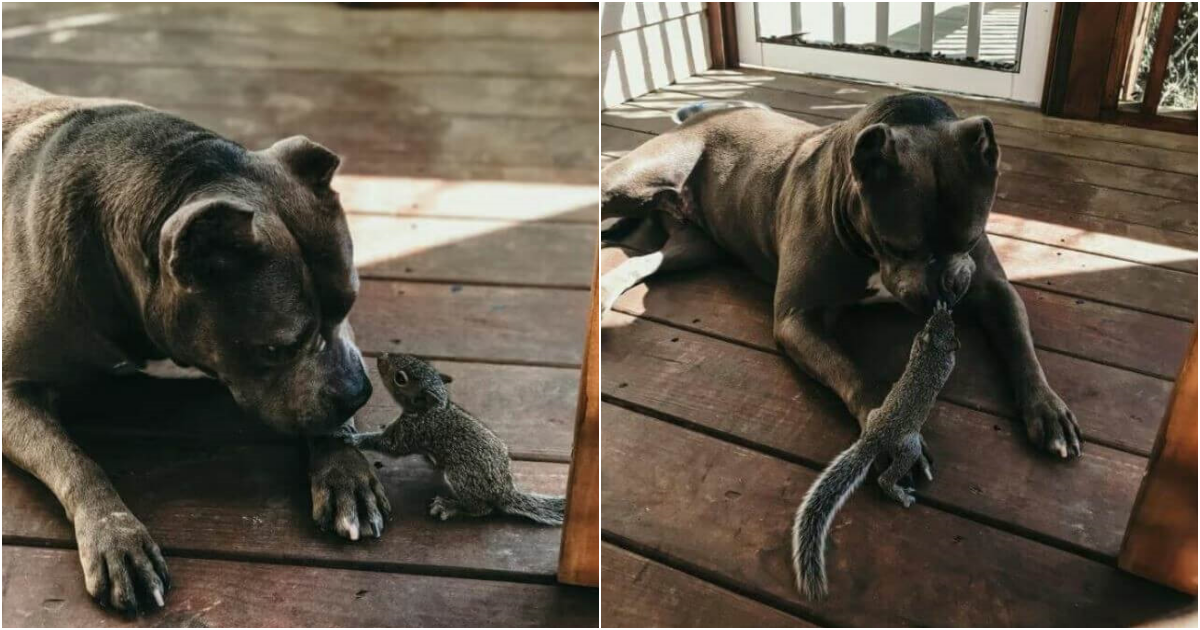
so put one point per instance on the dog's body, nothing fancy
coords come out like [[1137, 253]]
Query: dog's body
[[131, 236], [890, 203]]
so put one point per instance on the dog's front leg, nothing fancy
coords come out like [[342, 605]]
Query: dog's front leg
[[1049, 423], [120, 560], [346, 495], [805, 337]]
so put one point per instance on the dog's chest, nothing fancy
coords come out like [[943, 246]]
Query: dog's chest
[[875, 292]]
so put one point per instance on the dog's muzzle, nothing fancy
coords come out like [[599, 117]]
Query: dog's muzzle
[[950, 278]]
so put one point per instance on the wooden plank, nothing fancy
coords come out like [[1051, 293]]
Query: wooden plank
[[479, 140], [330, 91], [269, 20], [449, 198], [389, 164], [531, 408], [1160, 543], [1154, 290], [253, 501], [726, 510], [1000, 112], [346, 51], [579, 562], [472, 251], [984, 465], [643, 593], [1094, 235], [219, 593], [472, 323], [731, 305]]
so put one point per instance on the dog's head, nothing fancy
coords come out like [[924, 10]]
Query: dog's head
[[926, 191], [256, 281]]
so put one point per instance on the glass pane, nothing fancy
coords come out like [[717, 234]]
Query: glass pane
[[858, 27]]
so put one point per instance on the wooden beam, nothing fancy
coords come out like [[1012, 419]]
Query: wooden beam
[[1160, 542], [579, 562], [1162, 54], [716, 35]]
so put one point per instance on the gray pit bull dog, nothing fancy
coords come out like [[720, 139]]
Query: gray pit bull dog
[[130, 236], [889, 204]]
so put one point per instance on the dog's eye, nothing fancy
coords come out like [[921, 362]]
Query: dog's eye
[[401, 378]]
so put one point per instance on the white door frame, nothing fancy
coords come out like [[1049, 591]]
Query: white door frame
[[1024, 86]]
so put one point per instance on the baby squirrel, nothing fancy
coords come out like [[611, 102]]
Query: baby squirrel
[[894, 428], [473, 459]]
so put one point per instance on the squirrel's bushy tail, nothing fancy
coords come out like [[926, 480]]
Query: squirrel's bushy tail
[[816, 513], [542, 508]]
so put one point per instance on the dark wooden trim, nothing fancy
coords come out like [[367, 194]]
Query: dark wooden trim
[[729, 28], [716, 38], [579, 558], [1160, 541], [1089, 58], [722, 34]]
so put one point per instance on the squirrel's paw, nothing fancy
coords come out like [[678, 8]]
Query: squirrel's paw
[[443, 508], [903, 496]]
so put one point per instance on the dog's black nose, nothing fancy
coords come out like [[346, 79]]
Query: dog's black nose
[[353, 402]]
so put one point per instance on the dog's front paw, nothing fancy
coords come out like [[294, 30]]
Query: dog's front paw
[[443, 508], [346, 495], [1051, 425], [120, 560]]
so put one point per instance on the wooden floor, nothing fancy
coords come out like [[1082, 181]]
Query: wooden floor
[[711, 437], [469, 167]]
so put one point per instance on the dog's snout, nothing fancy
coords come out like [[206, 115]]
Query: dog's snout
[[354, 400], [950, 278]]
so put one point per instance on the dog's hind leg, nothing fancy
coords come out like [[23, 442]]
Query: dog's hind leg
[[687, 247], [650, 178]]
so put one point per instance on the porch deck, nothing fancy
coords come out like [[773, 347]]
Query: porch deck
[[469, 167], [711, 438]]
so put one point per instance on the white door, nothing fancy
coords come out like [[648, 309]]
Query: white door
[[916, 44]]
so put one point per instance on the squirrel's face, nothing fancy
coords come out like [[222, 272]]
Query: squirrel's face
[[413, 383]]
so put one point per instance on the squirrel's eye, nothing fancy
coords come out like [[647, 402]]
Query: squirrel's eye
[[400, 378]]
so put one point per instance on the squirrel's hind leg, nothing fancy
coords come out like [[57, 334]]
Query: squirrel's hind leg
[[446, 508], [904, 455]]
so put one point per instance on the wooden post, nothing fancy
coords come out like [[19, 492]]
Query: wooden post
[[1160, 541], [579, 560]]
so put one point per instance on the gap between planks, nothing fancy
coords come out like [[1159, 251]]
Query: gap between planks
[[709, 577], [492, 575], [819, 467]]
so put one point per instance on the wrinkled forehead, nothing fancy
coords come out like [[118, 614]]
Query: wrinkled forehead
[[316, 224]]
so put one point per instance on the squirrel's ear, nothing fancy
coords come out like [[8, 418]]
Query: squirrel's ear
[[446, 378]]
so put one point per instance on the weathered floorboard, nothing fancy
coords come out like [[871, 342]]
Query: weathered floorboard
[[42, 587], [472, 251], [728, 511], [472, 323], [984, 465], [253, 501], [1116, 407], [650, 594]]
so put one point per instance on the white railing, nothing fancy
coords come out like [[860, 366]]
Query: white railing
[[992, 31]]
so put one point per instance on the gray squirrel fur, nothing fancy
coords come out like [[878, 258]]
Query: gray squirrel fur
[[473, 459], [893, 428]]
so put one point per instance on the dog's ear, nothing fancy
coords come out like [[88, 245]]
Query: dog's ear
[[312, 163], [874, 152], [207, 240], [978, 140]]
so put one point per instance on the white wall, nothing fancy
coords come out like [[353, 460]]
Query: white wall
[[648, 45]]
